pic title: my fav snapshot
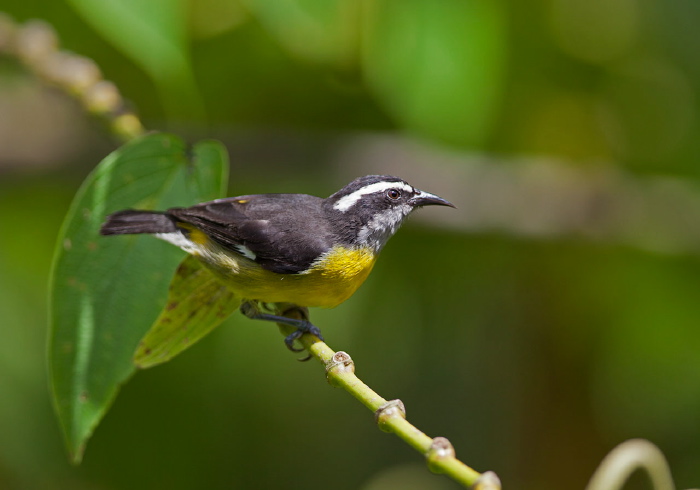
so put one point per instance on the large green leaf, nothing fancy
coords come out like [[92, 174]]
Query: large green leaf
[[197, 302], [106, 291]]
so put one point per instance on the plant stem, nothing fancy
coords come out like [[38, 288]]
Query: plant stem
[[390, 415], [35, 44]]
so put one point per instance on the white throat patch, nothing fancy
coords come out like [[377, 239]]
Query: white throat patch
[[346, 202], [377, 232]]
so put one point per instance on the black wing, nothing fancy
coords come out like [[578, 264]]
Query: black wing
[[286, 232]]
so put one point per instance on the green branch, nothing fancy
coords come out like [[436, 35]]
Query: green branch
[[625, 459], [390, 415], [35, 45]]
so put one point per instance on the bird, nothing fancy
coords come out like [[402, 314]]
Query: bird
[[294, 249]]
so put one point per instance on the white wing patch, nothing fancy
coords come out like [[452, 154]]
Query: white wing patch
[[246, 252], [346, 202], [180, 240], [177, 239]]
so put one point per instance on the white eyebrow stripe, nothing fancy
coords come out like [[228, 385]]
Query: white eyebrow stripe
[[346, 202]]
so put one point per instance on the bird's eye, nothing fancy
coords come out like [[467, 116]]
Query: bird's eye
[[393, 194]]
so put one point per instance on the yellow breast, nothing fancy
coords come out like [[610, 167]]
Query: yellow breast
[[330, 280]]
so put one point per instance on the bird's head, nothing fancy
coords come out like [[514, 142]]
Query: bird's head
[[372, 208]]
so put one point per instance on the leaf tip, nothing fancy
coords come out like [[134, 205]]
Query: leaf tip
[[76, 454]]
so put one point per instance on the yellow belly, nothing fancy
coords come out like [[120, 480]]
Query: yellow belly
[[331, 280]]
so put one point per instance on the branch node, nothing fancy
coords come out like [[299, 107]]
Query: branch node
[[36, 41], [8, 30], [440, 450], [339, 364], [387, 412], [487, 481]]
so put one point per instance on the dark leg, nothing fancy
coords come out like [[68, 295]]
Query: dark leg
[[303, 325]]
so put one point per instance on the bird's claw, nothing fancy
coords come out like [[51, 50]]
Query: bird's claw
[[289, 340], [304, 327]]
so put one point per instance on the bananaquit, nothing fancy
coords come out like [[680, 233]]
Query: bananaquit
[[286, 248]]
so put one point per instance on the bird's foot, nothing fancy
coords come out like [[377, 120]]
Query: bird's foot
[[302, 324]]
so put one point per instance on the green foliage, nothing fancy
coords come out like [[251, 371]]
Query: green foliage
[[154, 35], [320, 31], [106, 291], [402, 49], [404, 56], [197, 302]]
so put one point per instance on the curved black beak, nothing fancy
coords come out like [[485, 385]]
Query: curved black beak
[[427, 199]]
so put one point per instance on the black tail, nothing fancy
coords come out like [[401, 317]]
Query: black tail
[[131, 221]]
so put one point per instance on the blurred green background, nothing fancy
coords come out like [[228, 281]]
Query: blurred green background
[[555, 314]]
